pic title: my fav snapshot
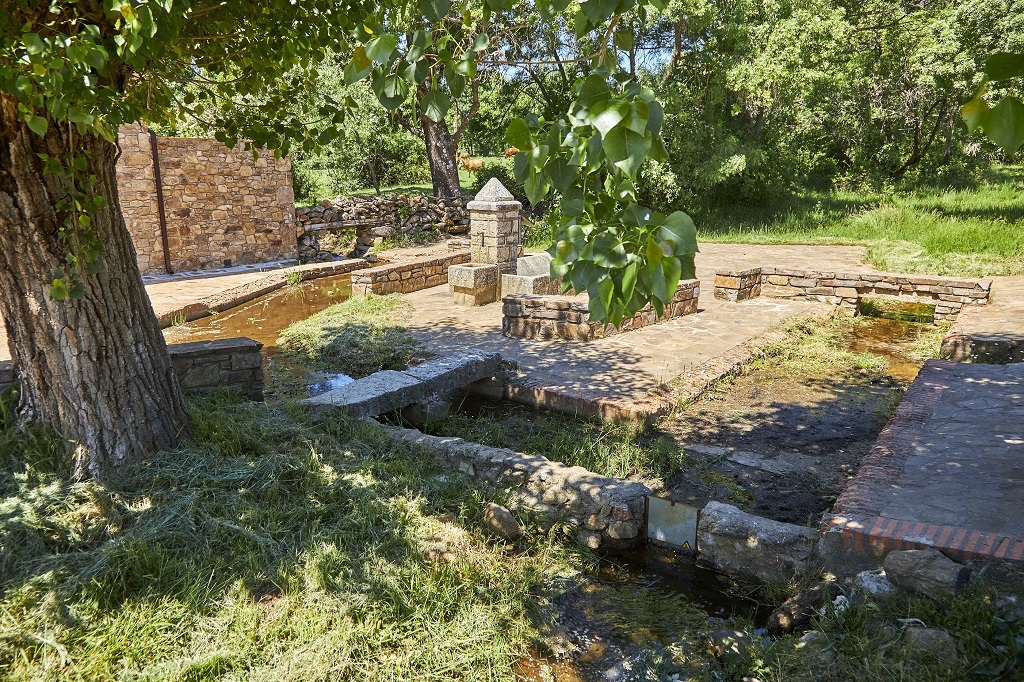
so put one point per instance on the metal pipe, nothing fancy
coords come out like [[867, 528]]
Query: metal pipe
[[158, 181]]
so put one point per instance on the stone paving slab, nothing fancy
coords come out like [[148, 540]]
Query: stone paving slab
[[991, 334], [948, 469], [623, 375], [388, 390]]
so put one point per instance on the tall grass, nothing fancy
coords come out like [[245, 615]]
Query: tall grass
[[976, 231], [268, 548]]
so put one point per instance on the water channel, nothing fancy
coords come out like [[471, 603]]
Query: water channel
[[641, 614]]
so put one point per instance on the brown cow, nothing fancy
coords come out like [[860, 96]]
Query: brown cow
[[471, 165], [511, 151]]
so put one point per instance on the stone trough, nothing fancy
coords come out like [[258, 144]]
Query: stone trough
[[388, 390]]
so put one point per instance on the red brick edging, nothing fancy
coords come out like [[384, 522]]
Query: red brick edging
[[861, 533]]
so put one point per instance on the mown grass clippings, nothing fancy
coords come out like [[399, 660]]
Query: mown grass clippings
[[817, 347], [961, 232], [356, 337], [267, 548]]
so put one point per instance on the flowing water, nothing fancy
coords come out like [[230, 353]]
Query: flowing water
[[644, 614], [263, 319]]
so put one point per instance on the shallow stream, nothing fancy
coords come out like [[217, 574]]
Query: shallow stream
[[264, 318]]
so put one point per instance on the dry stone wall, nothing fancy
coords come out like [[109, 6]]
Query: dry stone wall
[[374, 219], [563, 317], [222, 207], [947, 294]]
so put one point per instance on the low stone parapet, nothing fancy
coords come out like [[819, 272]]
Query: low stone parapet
[[564, 317], [949, 295], [407, 276], [605, 511], [203, 367]]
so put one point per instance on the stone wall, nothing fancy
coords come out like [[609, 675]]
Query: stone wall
[[374, 219], [407, 276], [947, 294], [563, 317], [607, 512], [204, 366], [221, 206]]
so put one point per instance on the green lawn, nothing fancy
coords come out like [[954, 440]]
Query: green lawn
[[970, 232], [267, 548]]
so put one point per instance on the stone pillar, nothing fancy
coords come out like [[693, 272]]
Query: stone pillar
[[493, 243], [494, 227]]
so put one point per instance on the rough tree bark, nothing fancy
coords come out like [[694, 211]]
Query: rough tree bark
[[95, 369], [444, 167]]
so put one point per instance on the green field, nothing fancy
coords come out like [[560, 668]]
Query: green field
[[978, 231]]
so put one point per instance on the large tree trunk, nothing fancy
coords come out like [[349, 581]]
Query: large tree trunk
[[95, 369], [444, 167]]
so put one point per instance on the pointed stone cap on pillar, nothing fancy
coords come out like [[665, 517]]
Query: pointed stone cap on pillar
[[493, 197]]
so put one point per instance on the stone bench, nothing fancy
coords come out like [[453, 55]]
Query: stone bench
[[203, 367], [407, 276]]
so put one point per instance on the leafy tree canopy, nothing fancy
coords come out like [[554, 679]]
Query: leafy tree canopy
[[93, 65]]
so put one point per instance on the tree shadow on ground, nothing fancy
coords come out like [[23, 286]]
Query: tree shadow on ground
[[809, 437]]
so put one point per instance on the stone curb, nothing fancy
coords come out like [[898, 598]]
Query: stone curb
[[855, 517], [244, 293], [609, 512]]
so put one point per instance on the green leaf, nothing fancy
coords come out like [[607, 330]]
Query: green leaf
[[607, 114], [37, 124], [593, 90], [624, 39], [436, 105], [974, 113], [553, 8], [435, 10], [636, 216], [561, 174], [1004, 124], [629, 276], [391, 91], [381, 48], [665, 278], [481, 41], [679, 230], [537, 187], [33, 43], [598, 10], [626, 149], [1004, 65], [518, 135]]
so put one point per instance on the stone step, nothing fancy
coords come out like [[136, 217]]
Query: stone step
[[388, 390]]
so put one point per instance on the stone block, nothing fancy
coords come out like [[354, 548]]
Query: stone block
[[473, 275], [752, 548], [928, 572], [475, 297]]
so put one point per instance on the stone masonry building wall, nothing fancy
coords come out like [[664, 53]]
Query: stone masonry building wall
[[220, 205]]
